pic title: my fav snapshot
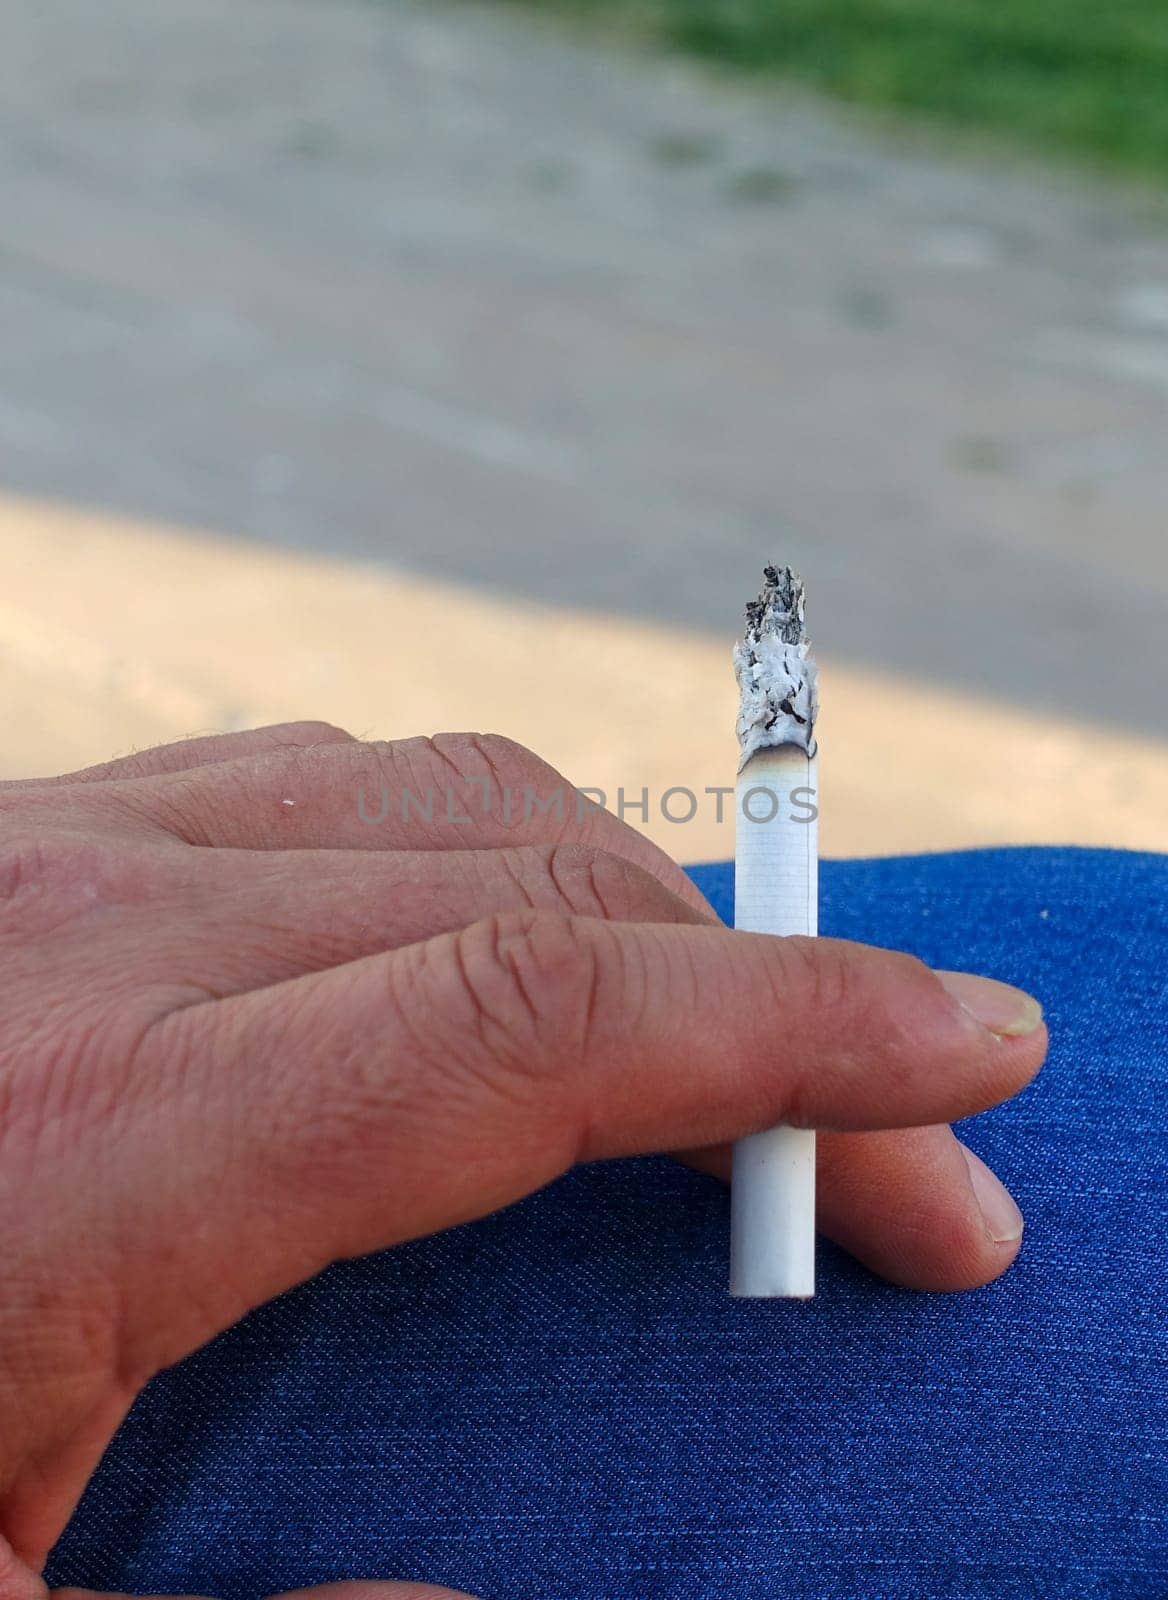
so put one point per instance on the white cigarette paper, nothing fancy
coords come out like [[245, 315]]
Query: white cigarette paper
[[776, 861]]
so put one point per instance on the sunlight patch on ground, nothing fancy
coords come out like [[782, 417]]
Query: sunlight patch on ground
[[116, 635]]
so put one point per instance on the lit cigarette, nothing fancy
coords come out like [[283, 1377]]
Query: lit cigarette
[[776, 890]]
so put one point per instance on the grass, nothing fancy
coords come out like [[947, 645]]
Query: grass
[[1088, 78]]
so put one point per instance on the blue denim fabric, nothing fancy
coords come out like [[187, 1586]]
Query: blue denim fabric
[[560, 1402]]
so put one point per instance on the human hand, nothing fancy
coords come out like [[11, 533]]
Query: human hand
[[247, 1033]]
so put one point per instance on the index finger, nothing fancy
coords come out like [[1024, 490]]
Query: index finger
[[355, 1108]]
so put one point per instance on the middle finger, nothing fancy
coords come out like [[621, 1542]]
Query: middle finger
[[252, 918]]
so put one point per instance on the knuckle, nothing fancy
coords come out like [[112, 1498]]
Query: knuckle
[[502, 755], [62, 875], [312, 752], [190, 806], [306, 732], [815, 990], [457, 776], [594, 882], [820, 976], [202, 805], [137, 764], [842, 1001], [24, 864], [528, 978], [588, 881], [510, 769]]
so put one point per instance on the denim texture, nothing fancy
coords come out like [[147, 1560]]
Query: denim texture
[[560, 1402]]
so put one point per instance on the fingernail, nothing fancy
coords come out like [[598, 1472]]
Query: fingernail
[[1002, 1218], [1002, 1008]]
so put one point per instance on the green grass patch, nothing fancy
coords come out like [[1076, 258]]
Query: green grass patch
[[1082, 77]]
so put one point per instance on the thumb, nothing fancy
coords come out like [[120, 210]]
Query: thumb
[[350, 1109]]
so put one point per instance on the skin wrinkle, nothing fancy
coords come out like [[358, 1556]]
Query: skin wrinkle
[[536, 1073], [635, 989], [447, 1064], [438, 834], [614, 889], [516, 944], [497, 1062], [319, 931], [69, 1086], [539, 958], [147, 809], [196, 806], [320, 1136], [460, 772], [565, 957], [595, 866], [513, 861], [497, 752], [389, 757], [571, 866], [702, 978], [309, 946], [414, 973], [449, 1067], [513, 767], [589, 1028]]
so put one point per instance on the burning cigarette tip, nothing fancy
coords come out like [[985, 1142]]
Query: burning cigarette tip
[[776, 673], [779, 609]]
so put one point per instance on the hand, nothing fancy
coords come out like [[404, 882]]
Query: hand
[[232, 1006]]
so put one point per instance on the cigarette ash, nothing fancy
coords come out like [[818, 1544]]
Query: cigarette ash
[[775, 670]]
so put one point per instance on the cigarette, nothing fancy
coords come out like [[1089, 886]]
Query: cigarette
[[776, 890]]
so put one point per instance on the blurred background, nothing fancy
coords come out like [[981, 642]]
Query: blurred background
[[435, 365]]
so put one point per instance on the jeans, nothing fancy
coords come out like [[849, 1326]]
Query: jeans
[[560, 1402]]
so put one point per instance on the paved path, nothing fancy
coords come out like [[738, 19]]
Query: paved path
[[440, 288]]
